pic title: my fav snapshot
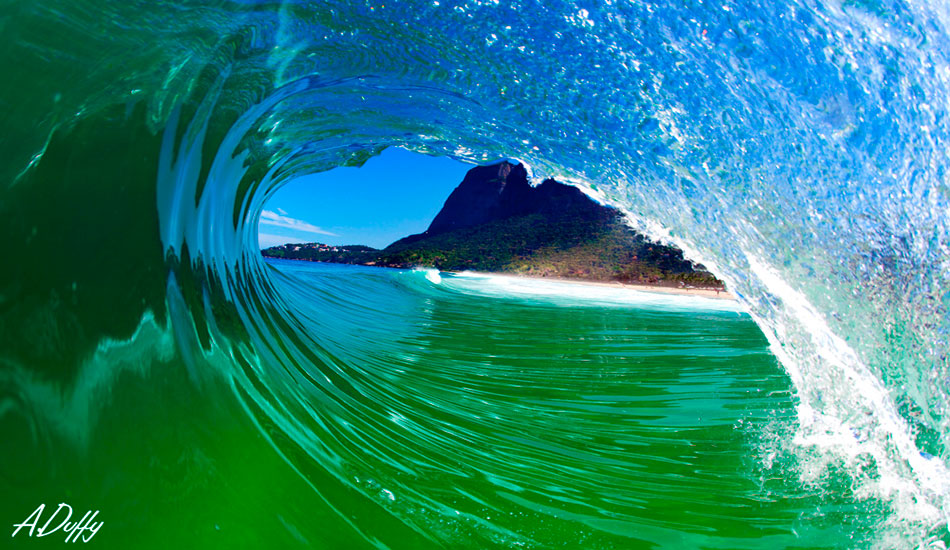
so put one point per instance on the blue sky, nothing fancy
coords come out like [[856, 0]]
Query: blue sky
[[393, 195]]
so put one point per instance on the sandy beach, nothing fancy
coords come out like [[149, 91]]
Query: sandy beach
[[685, 291], [703, 292]]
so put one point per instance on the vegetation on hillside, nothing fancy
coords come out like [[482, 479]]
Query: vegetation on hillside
[[571, 245], [577, 243], [319, 252]]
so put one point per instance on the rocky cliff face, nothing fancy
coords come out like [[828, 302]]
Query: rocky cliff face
[[500, 191], [487, 193]]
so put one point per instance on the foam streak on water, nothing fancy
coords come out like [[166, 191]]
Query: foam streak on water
[[578, 294]]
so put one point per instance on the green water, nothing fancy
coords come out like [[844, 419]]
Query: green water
[[421, 415]]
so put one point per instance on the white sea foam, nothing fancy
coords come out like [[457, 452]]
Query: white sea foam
[[432, 275], [574, 294]]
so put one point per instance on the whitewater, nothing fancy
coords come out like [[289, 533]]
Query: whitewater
[[799, 151]]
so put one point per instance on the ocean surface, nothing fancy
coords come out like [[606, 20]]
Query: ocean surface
[[155, 368]]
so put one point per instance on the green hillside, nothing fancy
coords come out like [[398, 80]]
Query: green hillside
[[601, 248], [495, 221]]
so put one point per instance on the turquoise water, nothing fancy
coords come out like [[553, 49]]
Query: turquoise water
[[462, 413], [152, 365]]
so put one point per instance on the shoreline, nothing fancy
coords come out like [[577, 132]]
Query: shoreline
[[701, 292]]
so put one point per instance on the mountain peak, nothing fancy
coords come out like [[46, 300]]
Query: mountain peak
[[486, 193]]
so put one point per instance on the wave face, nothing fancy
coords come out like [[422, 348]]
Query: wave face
[[800, 151]]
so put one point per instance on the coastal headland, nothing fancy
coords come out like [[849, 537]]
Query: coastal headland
[[496, 222]]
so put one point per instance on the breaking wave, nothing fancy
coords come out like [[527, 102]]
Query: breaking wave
[[800, 151]]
